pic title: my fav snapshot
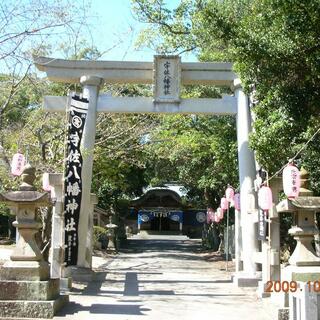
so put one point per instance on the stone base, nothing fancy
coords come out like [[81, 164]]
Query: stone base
[[21, 270], [295, 273], [29, 290], [245, 280], [81, 274], [111, 251], [65, 284], [31, 309]]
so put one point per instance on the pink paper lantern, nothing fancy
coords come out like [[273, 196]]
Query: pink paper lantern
[[291, 181], [210, 215], [219, 213], [229, 194], [216, 218], [45, 182], [18, 163], [236, 200], [265, 198], [224, 204]]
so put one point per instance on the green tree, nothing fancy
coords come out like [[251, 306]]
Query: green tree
[[27, 28], [198, 152], [275, 50]]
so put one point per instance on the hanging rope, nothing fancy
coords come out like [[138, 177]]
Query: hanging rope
[[295, 156]]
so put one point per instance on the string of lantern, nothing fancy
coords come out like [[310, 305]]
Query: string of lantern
[[295, 156], [291, 186]]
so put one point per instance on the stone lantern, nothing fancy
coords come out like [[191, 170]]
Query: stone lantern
[[26, 291], [111, 227], [304, 263]]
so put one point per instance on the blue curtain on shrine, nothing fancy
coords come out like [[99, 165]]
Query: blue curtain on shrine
[[176, 216], [146, 216]]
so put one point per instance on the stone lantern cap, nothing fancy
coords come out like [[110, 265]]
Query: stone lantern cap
[[300, 203], [27, 192], [25, 196], [111, 226]]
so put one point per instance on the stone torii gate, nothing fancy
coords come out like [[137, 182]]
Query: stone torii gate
[[167, 73]]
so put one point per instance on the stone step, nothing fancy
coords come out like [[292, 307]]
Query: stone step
[[31, 309], [160, 236], [29, 290]]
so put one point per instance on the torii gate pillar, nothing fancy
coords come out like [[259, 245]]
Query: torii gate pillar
[[247, 173], [91, 86]]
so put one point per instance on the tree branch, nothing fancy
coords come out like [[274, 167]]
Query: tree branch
[[161, 22]]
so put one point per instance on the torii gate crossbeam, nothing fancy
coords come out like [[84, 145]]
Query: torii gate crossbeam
[[70, 71]]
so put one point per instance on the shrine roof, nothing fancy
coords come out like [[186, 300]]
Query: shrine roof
[[158, 197]]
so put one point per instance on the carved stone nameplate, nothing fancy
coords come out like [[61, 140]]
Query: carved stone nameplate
[[167, 75]]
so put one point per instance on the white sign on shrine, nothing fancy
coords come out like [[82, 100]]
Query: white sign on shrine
[[167, 79]]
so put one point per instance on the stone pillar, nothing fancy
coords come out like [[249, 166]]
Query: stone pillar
[[93, 202], [57, 234], [237, 241], [90, 91], [304, 303], [247, 173], [275, 268], [271, 247]]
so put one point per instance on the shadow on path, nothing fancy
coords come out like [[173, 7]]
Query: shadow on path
[[147, 269], [105, 308], [145, 245]]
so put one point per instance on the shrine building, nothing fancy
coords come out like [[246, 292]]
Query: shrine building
[[161, 211]]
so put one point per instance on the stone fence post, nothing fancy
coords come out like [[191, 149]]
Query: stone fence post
[[89, 249], [57, 234]]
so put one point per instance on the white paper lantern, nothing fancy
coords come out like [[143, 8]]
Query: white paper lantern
[[291, 181], [18, 163], [265, 198]]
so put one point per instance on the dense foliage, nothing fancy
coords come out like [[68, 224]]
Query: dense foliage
[[274, 46]]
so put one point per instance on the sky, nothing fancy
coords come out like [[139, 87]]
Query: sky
[[116, 29], [113, 29], [110, 27]]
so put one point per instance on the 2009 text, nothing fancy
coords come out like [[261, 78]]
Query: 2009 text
[[291, 286]]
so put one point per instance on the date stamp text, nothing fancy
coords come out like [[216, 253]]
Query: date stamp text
[[291, 286]]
